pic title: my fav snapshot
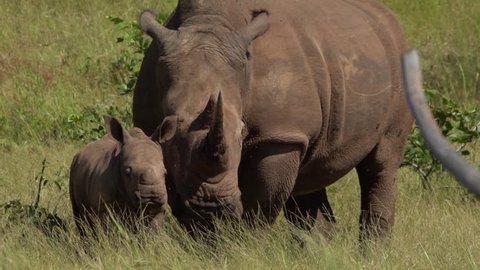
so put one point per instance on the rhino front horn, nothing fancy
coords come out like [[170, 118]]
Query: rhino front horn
[[215, 140]]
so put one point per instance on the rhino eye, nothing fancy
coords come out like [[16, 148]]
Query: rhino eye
[[128, 170]]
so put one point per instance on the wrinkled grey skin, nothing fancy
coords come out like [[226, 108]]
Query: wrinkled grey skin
[[124, 173], [263, 110]]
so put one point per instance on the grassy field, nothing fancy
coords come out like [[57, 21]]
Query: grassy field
[[57, 70]]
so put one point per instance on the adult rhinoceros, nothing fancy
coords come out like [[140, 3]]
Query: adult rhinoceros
[[267, 101]]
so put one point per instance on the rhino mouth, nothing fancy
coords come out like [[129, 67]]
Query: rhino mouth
[[199, 208], [226, 205], [150, 196]]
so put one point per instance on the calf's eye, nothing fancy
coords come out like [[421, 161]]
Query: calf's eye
[[128, 170]]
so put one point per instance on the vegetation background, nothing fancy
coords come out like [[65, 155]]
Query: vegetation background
[[62, 67]]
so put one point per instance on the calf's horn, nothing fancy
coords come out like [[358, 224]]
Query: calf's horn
[[438, 145]]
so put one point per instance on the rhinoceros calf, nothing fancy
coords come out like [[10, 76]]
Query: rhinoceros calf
[[122, 173], [264, 103]]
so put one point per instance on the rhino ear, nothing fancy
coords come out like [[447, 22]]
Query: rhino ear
[[257, 27], [115, 129], [156, 134], [166, 130], [149, 24]]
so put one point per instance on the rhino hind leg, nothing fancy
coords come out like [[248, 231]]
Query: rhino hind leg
[[311, 212], [377, 173]]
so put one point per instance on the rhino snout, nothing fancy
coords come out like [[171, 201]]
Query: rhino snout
[[207, 208], [228, 206], [152, 176], [155, 194]]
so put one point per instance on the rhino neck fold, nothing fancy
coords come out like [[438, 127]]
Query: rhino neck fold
[[209, 12], [192, 7], [210, 20]]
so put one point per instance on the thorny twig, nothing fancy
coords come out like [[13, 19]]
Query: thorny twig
[[41, 180]]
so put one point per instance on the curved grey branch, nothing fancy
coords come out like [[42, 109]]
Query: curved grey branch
[[438, 145]]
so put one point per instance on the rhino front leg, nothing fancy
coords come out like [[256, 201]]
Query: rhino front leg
[[377, 173], [311, 212], [156, 222], [267, 177]]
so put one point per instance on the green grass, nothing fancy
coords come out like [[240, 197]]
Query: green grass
[[56, 81], [447, 35]]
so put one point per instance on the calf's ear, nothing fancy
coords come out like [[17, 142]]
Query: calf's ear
[[115, 129]]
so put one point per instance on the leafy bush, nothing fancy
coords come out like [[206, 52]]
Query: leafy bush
[[125, 70], [459, 126], [88, 125]]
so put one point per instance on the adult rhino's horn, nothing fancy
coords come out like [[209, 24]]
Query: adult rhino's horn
[[215, 140], [150, 25], [437, 144]]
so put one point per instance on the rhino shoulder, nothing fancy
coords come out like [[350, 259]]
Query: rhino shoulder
[[98, 153]]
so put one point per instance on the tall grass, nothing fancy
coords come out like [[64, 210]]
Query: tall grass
[[56, 77], [434, 230], [447, 35]]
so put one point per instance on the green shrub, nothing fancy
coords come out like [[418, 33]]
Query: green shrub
[[88, 125], [126, 68], [459, 126]]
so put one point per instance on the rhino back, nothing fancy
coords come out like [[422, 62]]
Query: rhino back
[[94, 175], [325, 75], [328, 71]]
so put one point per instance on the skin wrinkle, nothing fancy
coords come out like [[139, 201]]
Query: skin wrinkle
[[216, 20], [224, 44]]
